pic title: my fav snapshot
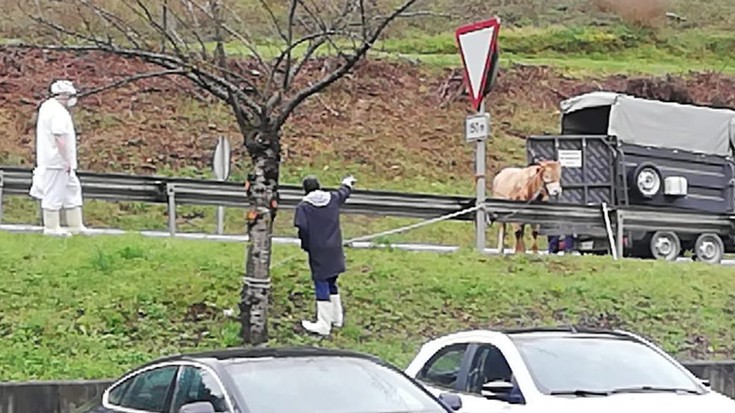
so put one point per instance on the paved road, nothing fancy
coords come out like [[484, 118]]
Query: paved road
[[277, 240]]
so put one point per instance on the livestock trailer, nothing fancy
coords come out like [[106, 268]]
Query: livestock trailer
[[637, 153]]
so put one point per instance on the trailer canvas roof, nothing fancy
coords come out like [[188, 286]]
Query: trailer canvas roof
[[662, 124]]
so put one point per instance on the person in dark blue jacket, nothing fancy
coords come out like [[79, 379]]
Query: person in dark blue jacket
[[317, 221]]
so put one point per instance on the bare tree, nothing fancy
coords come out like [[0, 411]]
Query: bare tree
[[262, 90]]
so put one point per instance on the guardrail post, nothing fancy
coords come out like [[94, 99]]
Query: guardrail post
[[171, 192], [620, 226], [220, 219], [608, 231], [1, 197]]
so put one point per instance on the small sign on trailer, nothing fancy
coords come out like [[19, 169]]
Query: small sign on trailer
[[570, 158]]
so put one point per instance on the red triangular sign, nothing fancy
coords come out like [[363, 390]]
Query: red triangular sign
[[476, 43]]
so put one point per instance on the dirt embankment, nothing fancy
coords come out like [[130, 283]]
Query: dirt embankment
[[399, 119]]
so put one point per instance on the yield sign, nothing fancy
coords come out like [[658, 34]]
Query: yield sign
[[477, 42]]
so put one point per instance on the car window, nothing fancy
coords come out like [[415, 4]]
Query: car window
[[598, 363], [327, 384], [197, 385], [488, 364], [118, 392], [146, 391], [442, 370]]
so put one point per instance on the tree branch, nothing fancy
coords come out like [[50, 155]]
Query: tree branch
[[146, 14], [123, 27], [239, 36], [252, 98], [319, 40], [193, 30], [274, 20], [343, 69], [205, 79], [128, 80], [289, 42]]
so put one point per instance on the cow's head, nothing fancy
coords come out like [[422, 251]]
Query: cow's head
[[551, 175]]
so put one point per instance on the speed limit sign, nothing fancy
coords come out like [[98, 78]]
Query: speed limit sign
[[477, 127]]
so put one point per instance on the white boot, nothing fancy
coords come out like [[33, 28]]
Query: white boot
[[51, 224], [337, 310], [74, 220], [323, 324]]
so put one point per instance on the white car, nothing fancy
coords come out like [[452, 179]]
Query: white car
[[561, 370]]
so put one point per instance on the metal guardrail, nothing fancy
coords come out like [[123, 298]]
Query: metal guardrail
[[152, 189], [178, 191]]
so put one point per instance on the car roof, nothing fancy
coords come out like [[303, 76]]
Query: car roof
[[264, 352], [564, 331], [529, 332]]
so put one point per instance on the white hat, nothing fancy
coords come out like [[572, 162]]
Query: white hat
[[63, 86]]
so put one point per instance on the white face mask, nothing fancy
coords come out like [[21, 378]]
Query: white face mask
[[71, 102]]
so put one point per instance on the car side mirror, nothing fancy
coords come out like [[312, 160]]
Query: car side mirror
[[452, 401], [706, 382], [497, 390], [197, 407]]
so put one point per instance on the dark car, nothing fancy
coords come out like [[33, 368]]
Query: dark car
[[269, 380]]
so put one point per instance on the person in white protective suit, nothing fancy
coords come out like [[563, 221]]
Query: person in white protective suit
[[55, 181]]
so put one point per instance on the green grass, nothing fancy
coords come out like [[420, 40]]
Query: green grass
[[93, 307], [574, 34], [587, 65], [587, 50], [580, 49]]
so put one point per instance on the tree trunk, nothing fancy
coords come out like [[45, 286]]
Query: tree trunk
[[262, 189]]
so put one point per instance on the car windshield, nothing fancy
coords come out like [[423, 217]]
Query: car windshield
[[584, 364], [324, 384]]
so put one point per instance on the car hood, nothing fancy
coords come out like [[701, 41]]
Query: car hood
[[639, 402]]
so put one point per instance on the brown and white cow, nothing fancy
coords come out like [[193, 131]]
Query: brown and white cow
[[535, 182]]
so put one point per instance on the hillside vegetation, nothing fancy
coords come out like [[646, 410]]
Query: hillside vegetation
[[409, 141], [90, 307], [445, 15]]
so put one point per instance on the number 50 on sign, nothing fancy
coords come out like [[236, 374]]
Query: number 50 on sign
[[477, 127]]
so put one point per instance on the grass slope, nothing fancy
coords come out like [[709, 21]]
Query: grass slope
[[92, 307], [585, 50]]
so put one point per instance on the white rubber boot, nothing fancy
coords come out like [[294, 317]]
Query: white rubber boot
[[51, 224], [323, 324], [74, 220], [337, 311]]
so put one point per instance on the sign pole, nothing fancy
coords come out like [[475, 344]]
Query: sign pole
[[478, 48], [480, 169]]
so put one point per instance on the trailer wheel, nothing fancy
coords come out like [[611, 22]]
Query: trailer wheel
[[665, 245], [709, 248]]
